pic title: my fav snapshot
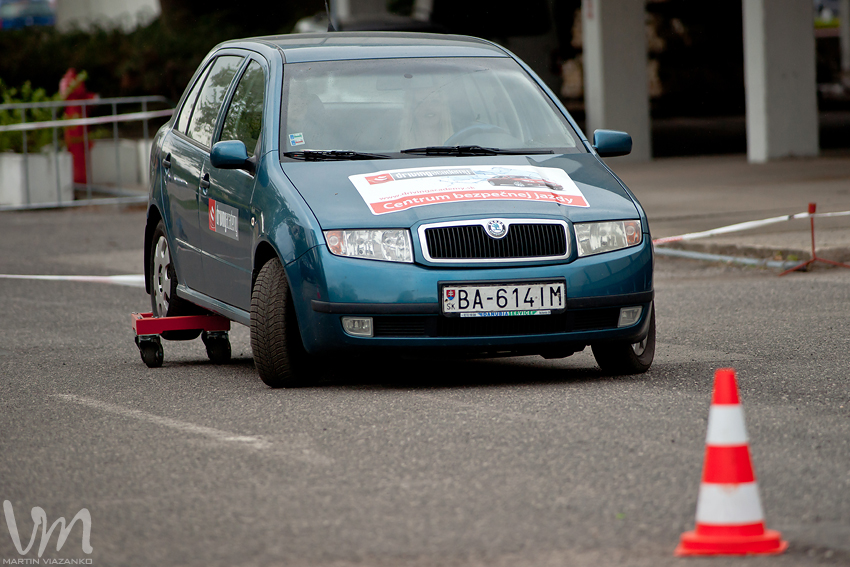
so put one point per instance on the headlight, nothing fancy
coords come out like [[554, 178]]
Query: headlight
[[598, 237], [391, 245]]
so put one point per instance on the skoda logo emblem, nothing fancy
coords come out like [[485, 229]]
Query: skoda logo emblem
[[496, 228]]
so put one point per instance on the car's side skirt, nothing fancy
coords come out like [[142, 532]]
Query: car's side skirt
[[214, 305]]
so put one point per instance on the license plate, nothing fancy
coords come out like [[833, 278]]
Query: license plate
[[505, 299]]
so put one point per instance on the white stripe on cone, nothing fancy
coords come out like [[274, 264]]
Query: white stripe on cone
[[729, 504], [726, 426]]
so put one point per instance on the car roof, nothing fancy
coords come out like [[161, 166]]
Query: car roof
[[340, 46]]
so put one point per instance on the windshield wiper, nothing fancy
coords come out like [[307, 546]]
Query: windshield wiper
[[332, 155], [470, 151]]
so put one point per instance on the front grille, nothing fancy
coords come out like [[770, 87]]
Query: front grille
[[438, 326], [524, 240]]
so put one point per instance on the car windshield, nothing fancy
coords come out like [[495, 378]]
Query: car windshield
[[389, 105]]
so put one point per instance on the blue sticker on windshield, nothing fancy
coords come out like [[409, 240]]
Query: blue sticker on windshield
[[296, 139]]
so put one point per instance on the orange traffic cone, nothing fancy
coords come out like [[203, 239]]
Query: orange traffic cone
[[729, 519]]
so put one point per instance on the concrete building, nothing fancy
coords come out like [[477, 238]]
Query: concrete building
[[779, 63], [779, 52]]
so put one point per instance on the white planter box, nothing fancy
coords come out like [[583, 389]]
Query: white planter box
[[133, 161], [143, 151], [41, 168], [104, 165]]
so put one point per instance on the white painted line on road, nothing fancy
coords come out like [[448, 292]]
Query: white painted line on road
[[216, 434], [132, 280], [296, 446]]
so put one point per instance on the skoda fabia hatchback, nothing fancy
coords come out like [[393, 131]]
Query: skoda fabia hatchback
[[356, 193]]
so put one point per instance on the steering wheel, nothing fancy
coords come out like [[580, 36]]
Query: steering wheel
[[486, 131]]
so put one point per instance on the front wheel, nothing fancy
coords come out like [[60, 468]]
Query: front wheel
[[619, 357], [279, 353]]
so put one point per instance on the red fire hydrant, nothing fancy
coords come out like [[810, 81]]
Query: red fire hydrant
[[73, 87]]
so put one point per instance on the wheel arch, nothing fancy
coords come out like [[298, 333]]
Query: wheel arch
[[264, 252], [154, 217]]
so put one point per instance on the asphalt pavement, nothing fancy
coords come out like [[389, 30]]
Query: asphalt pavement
[[514, 462]]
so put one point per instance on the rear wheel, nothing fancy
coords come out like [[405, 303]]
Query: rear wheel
[[279, 353], [164, 300], [620, 357]]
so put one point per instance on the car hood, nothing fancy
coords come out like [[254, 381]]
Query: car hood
[[403, 193]]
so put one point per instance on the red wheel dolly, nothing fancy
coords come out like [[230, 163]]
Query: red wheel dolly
[[148, 329]]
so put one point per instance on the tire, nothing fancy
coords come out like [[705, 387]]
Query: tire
[[151, 352], [164, 300], [620, 357], [279, 354], [218, 347]]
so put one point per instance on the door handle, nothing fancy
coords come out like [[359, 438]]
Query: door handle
[[205, 182], [166, 163]]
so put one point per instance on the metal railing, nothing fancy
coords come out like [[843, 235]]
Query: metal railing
[[119, 194]]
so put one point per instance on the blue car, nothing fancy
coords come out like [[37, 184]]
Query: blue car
[[334, 193]]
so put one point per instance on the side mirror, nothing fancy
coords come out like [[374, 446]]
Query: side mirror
[[611, 143], [230, 154]]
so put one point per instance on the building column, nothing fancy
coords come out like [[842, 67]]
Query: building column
[[422, 10], [779, 71], [616, 94]]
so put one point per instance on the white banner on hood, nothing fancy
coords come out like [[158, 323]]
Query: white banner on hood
[[397, 190]]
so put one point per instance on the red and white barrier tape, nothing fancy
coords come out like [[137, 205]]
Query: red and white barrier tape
[[128, 117], [745, 226]]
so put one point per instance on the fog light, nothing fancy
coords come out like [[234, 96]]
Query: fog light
[[359, 326], [629, 316]]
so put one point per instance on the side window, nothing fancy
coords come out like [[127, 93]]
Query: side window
[[186, 112], [244, 119], [202, 123]]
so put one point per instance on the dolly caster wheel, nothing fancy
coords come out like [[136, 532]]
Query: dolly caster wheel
[[218, 346], [150, 349]]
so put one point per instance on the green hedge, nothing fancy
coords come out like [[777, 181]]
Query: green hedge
[[14, 141], [157, 59]]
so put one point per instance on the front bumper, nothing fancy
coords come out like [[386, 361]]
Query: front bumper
[[403, 301]]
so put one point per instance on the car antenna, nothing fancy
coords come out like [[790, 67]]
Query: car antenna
[[330, 21]]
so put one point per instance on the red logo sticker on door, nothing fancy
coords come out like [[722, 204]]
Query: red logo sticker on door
[[212, 215]]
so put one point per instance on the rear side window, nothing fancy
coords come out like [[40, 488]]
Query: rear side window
[[202, 123], [244, 119], [186, 112]]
